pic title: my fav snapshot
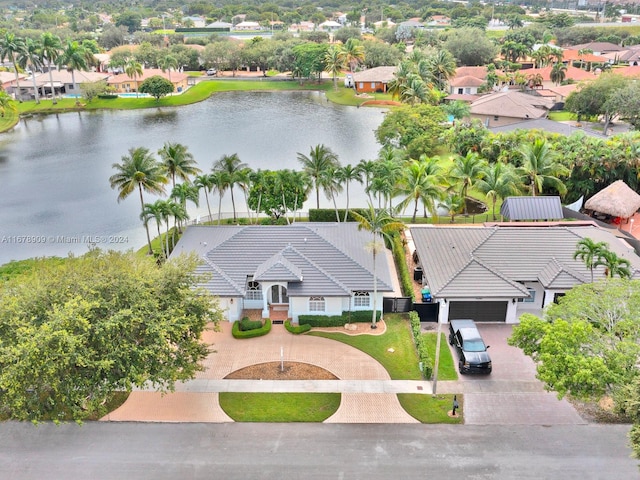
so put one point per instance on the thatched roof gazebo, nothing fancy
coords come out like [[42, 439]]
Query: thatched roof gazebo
[[617, 200]]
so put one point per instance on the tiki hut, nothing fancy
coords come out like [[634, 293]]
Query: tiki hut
[[617, 200]]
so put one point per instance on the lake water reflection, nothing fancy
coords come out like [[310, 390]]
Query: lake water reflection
[[55, 196]]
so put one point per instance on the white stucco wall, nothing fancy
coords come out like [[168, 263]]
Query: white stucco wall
[[300, 306], [232, 307]]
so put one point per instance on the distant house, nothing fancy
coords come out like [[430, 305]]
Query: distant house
[[571, 73], [302, 27], [62, 83], [373, 79], [196, 22], [8, 81], [504, 108], [289, 270], [598, 48], [544, 208], [123, 83], [330, 26], [630, 55], [248, 26], [547, 125]]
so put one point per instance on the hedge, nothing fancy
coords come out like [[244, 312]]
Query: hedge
[[296, 329], [107, 96], [421, 346], [329, 214], [406, 282], [360, 316], [246, 324], [258, 332]]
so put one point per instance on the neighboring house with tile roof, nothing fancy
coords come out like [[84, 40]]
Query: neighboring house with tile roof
[[62, 82], [303, 269], [123, 83], [544, 124], [571, 73], [598, 48], [496, 273], [373, 79], [532, 208], [507, 107]]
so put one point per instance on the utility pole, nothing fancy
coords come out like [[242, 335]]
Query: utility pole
[[436, 362]]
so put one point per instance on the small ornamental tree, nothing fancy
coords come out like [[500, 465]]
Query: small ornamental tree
[[157, 87]]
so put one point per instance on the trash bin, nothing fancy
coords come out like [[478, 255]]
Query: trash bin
[[417, 274]]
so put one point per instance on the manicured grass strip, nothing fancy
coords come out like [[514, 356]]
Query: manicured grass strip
[[279, 407], [8, 121], [562, 116], [446, 368], [402, 363], [429, 409]]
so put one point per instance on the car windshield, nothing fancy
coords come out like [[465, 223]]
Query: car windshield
[[474, 346]]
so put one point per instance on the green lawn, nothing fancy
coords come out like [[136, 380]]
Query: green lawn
[[446, 368], [402, 364], [562, 116], [430, 409], [279, 407]]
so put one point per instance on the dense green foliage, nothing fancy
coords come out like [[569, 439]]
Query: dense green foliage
[[358, 316], [237, 331], [296, 329], [72, 333], [328, 215], [156, 86], [424, 355]]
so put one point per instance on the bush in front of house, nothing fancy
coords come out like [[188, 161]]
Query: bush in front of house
[[406, 282], [246, 324], [296, 329], [256, 332], [360, 316], [421, 346]]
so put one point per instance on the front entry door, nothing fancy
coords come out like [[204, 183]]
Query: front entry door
[[279, 294]]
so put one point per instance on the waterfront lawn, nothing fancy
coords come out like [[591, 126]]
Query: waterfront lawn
[[279, 407], [8, 121], [402, 363], [431, 409]]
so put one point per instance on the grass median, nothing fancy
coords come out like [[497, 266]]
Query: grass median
[[279, 407]]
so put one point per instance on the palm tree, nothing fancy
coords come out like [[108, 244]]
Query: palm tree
[[320, 159], [221, 184], [387, 176], [443, 67], [74, 57], [183, 192], [457, 109], [166, 63], [613, 264], [31, 57], [178, 162], [133, 69], [51, 47], [6, 103], [499, 181], [348, 174], [421, 182], [558, 73], [467, 170], [231, 166], [454, 204], [138, 170], [367, 169], [154, 211], [353, 53], [334, 61], [10, 48], [205, 182], [381, 224], [540, 168], [589, 252], [330, 182], [399, 81], [414, 91]]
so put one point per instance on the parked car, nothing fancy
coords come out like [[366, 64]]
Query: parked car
[[472, 351], [211, 72]]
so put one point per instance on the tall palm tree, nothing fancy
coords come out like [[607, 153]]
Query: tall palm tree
[[178, 162], [138, 170], [354, 53], [11, 47], [589, 252], [613, 264], [154, 211], [443, 67], [74, 57], [330, 181], [466, 171], [334, 61], [399, 80], [134, 70], [421, 182], [320, 159], [183, 192], [167, 62], [414, 91], [558, 73], [540, 167], [367, 169], [381, 225], [231, 166], [31, 57], [348, 174], [6, 103], [51, 46], [205, 182], [221, 184], [499, 181]]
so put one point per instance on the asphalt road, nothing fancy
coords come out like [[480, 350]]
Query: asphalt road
[[312, 451]]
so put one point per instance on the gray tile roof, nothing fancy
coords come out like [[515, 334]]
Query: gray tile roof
[[491, 262], [332, 259], [278, 268], [532, 208]]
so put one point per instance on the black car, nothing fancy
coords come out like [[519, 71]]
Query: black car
[[472, 352]]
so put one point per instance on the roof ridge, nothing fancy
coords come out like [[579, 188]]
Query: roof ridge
[[215, 267], [497, 273], [565, 268], [317, 267]]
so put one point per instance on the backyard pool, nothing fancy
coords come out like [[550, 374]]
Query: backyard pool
[[133, 95]]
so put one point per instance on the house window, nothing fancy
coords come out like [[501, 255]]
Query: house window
[[317, 304], [254, 291], [460, 91], [373, 85], [467, 90], [531, 298], [360, 85], [361, 299], [496, 118]]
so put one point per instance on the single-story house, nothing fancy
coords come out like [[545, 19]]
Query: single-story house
[[62, 82], [507, 107], [532, 208], [123, 83], [330, 26], [571, 73], [495, 273], [373, 79], [548, 126], [248, 26], [7, 79], [598, 48], [302, 27], [298, 269]]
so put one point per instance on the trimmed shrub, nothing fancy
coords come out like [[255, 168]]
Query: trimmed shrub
[[107, 96], [258, 332], [329, 214], [296, 329], [406, 282], [360, 316], [246, 324], [423, 352]]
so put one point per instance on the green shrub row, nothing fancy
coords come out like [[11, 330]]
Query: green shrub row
[[421, 346], [296, 329], [406, 283], [246, 324], [360, 316], [258, 332], [329, 214]]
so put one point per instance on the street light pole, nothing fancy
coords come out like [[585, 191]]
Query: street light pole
[[436, 362]]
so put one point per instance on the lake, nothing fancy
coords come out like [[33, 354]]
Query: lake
[[55, 196]]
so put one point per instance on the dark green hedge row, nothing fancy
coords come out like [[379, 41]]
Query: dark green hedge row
[[423, 352], [406, 283], [329, 215], [361, 316], [296, 329], [246, 324], [258, 332]]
